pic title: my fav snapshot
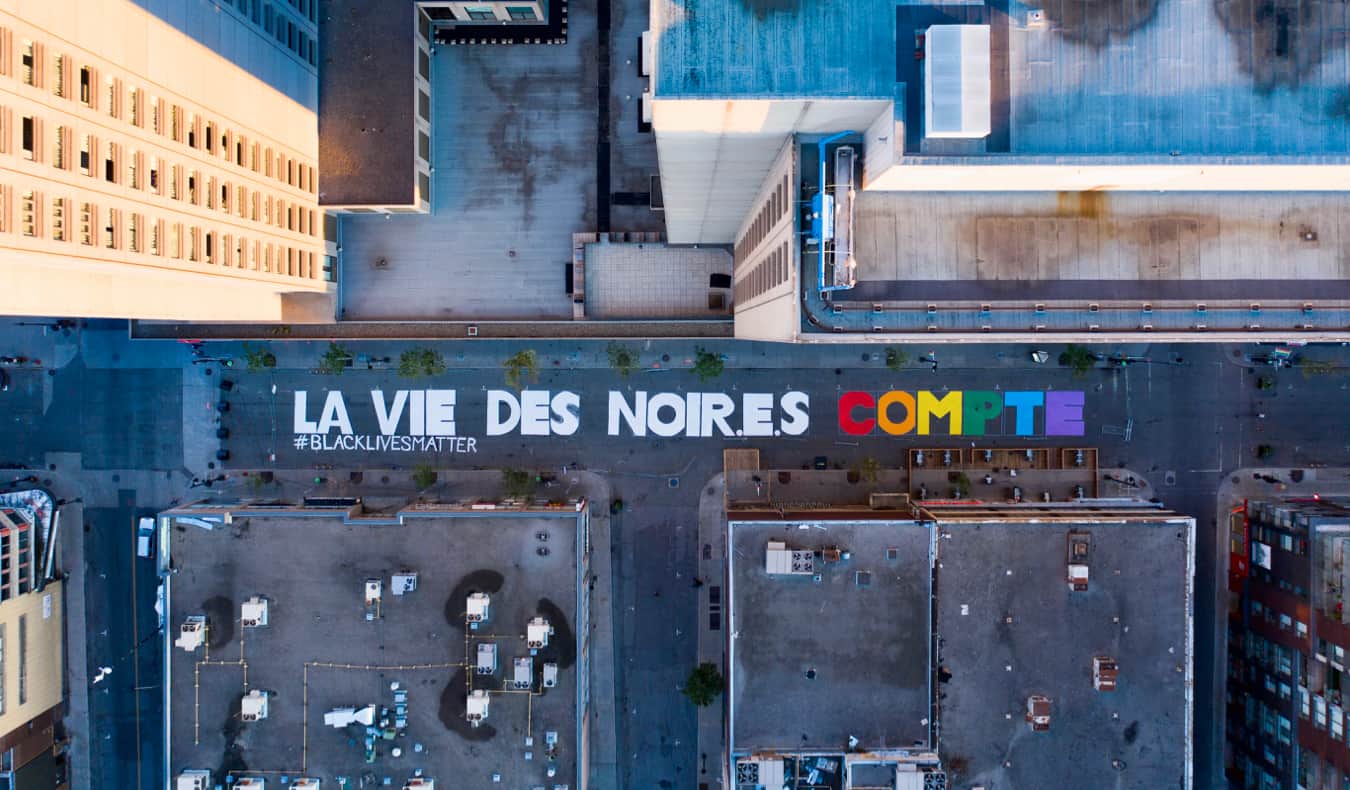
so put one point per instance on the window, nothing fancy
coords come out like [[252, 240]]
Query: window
[[156, 120], [210, 139], [192, 130], [60, 160], [176, 123], [86, 224], [29, 70], [59, 219], [424, 105], [154, 238], [2, 667], [480, 12], [1286, 622], [192, 186], [29, 133], [423, 63], [59, 88], [23, 659], [86, 77], [111, 229], [135, 107], [110, 164], [521, 13], [29, 212], [113, 91], [176, 240], [210, 247], [154, 176], [194, 242]]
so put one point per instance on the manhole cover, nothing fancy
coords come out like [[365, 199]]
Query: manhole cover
[[673, 482], [1170, 478]]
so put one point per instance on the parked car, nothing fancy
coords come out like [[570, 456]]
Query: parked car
[[145, 538]]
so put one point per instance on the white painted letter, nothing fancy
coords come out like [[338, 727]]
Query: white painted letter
[[692, 423], [335, 413], [757, 419], [664, 400], [796, 413], [717, 406], [566, 413], [417, 415], [636, 417], [302, 422], [496, 426], [388, 418], [534, 413], [440, 412]]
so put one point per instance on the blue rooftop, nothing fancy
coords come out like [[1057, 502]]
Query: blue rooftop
[[774, 48], [1069, 77]]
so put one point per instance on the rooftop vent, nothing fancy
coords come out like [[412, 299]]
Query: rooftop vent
[[957, 92], [403, 583], [251, 782], [1038, 712], [420, 783], [550, 675], [306, 783], [780, 560], [1079, 550], [1104, 672]]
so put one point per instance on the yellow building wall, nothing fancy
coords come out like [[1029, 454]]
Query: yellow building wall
[[222, 232], [42, 659]]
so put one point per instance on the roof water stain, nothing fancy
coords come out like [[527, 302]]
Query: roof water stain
[[1096, 22], [1280, 42]]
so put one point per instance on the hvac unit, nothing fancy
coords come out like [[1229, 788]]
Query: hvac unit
[[253, 613]]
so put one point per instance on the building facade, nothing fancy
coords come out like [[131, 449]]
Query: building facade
[[145, 176], [1288, 636]]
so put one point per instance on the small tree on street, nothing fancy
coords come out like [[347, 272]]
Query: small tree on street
[[258, 358], [1078, 358], [896, 358], [703, 684], [522, 369], [334, 360], [424, 476], [1264, 451], [517, 483], [868, 469], [707, 365], [624, 359], [417, 362]]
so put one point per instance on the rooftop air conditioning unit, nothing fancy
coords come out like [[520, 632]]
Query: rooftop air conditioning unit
[[1104, 673], [487, 659], [306, 783], [193, 779], [522, 676], [254, 612], [550, 675], [537, 632], [1038, 712], [253, 707], [476, 707], [192, 633], [479, 606]]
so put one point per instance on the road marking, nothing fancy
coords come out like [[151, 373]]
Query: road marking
[[136, 657]]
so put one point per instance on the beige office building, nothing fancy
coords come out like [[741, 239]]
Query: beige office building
[[143, 175]]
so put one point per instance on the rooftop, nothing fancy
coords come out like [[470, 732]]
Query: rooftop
[[318, 652], [1069, 77], [815, 662], [366, 102], [1136, 611]]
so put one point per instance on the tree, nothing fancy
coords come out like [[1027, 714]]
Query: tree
[[517, 483], [424, 476], [703, 684], [1264, 451], [335, 359], [420, 362], [1079, 358], [895, 358], [522, 369], [707, 365], [624, 359], [868, 469], [259, 358], [1265, 383]]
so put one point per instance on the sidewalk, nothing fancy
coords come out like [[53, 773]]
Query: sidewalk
[[712, 568]]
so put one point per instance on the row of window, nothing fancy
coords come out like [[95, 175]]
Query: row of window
[[147, 111], [773, 209], [23, 662], [116, 164], [481, 13], [1274, 537], [771, 270], [117, 229], [275, 22], [1270, 615]]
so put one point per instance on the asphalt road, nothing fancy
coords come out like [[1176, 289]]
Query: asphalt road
[[120, 404]]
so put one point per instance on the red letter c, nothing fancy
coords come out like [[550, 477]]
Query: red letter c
[[850, 401]]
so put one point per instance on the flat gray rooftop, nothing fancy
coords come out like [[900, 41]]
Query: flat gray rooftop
[[1102, 246], [318, 652], [513, 151], [988, 572], [655, 281], [868, 646], [366, 102]]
